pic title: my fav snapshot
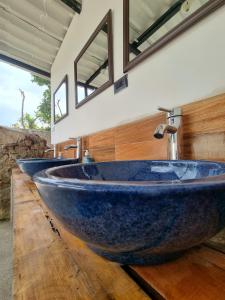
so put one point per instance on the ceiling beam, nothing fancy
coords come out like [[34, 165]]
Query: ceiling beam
[[24, 66], [24, 57], [75, 5], [134, 50], [172, 11], [26, 47], [105, 28], [96, 73], [88, 86]]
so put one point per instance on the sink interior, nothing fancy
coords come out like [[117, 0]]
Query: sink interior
[[140, 171]]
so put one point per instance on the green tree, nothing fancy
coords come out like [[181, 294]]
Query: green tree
[[43, 112], [42, 117], [29, 122]]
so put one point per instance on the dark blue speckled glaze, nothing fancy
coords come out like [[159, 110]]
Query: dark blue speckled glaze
[[138, 212], [30, 166]]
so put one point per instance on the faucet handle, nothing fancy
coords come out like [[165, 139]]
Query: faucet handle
[[75, 138], [175, 112], [164, 109]]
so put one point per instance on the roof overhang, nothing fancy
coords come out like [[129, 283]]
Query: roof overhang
[[32, 31]]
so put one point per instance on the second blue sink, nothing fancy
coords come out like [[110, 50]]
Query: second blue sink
[[31, 166]]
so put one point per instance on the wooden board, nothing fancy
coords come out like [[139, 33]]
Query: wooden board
[[210, 146], [44, 267], [203, 135], [205, 116], [143, 150], [199, 275], [71, 153], [40, 240]]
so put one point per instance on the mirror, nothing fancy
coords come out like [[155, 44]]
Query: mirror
[[60, 98], [94, 65], [150, 24]]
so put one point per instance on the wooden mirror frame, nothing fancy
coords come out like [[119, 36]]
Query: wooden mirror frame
[[64, 80], [107, 19], [197, 16]]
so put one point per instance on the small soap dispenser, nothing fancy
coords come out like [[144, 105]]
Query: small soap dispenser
[[87, 158], [60, 155]]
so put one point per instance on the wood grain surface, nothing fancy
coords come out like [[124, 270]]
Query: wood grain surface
[[203, 135], [198, 275], [46, 269], [51, 263]]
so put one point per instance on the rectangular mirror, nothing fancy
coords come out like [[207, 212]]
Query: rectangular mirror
[[150, 24], [93, 67], [60, 100]]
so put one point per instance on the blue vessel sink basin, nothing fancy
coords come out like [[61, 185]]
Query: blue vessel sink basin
[[138, 212], [31, 166]]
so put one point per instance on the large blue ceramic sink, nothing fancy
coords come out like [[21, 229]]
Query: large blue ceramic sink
[[31, 166], [138, 212]]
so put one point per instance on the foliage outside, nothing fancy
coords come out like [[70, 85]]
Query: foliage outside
[[42, 117]]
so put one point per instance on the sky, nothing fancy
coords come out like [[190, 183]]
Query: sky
[[11, 80]]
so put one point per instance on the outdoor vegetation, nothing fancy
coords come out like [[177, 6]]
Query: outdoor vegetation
[[42, 116]]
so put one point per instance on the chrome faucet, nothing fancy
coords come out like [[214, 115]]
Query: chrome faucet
[[173, 128], [75, 146], [51, 150]]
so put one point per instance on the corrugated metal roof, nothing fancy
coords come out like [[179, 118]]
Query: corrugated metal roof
[[93, 58], [31, 31], [144, 13]]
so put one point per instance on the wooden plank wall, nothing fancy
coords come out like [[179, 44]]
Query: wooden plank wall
[[66, 154], [203, 136]]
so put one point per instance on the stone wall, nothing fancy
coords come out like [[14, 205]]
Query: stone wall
[[15, 144], [8, 134]]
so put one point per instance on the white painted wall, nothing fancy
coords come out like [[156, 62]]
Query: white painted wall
[[190, 68]]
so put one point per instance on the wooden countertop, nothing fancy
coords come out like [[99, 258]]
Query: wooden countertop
[[50, 263]]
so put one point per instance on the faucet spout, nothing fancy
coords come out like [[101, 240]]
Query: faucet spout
[[162, 129], [173, 128], [70, 147], [49, 149], [73, 146]]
